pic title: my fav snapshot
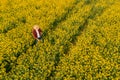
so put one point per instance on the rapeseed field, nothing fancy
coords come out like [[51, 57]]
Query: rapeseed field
[[80, 40]]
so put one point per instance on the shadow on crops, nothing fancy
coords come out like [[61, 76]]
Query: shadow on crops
[[7, 65], [13, 24], [10, 26]]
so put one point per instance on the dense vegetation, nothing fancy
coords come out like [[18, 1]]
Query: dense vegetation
[[81, 40]]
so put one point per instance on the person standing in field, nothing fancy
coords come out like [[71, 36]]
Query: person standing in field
[[37, 33]]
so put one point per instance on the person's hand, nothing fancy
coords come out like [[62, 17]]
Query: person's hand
[[38, 40]]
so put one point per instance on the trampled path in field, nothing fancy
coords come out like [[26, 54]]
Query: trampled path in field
[[65, 50]]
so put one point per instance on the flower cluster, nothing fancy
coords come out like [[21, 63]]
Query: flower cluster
[[81, 39]]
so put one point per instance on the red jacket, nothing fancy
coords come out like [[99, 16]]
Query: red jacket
[[35, 35]]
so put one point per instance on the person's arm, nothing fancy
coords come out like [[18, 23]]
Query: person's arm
[[40, 31], [34, 33]]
